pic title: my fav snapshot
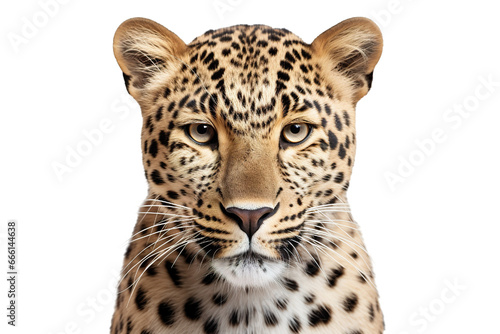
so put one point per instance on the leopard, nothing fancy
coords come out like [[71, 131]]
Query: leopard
[[248, 144]]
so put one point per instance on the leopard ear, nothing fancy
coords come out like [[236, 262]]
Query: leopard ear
[[352, 48], [145, 49]]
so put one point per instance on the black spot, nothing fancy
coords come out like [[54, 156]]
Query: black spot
[[332, 138], [282, 304], [309, 299], [129, 326], [321, 315], [270, 318], [172, 194], [192, 309], [191, 105], [347, 119], [350, 303], [173, 273], [273, 51], [291, 284], [140, 299], [212, 105], [279, 86], [211, 326], [371, 312], [312, 268], [289, 57], [159, 113], [156, 177], [219, 299], [285, 102], [362, 278], [339, 178], [145, 331], [262, 43], [328, 110], [338, 122], [234, 318], [342, 151], [164, 138], [305, 54], [171, 106], [283, 76], [334, 276], [183, 101], [295, 325], [286, 65], [300, 90], [153, 148], [151, 271], [209, 278], [209, 58], [149, 124], [217, 75], [167, 313], [317, 106]]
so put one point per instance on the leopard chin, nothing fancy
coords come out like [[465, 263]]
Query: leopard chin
[[249, 270]]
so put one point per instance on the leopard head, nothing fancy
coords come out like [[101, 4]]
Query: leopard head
[[246, 131]]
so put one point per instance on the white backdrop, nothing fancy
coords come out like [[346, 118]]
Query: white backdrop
[[424, 188]]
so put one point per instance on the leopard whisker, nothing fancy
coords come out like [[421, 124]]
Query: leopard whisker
[[168, 203], [163, 230], [348, 242], [322, 247], [331, 220], [312, 257], [172, 236], [311, 222], [327, 233], [319, 207], [136, 281], [191, 236]]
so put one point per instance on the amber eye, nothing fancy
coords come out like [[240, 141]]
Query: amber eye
[[201, 133], [295, 133]]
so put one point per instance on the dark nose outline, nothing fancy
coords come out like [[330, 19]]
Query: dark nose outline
[[249, 221]]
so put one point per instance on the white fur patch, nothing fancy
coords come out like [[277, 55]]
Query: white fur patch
[[249, 271]]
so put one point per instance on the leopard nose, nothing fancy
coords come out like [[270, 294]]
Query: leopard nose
[[250, 221]]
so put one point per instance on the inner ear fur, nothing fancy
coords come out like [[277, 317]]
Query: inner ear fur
[[352, 48], [143, 49]]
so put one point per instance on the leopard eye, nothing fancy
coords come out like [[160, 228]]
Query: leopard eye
[[201, 133], [296, 132]]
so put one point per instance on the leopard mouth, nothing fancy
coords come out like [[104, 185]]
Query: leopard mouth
[[249, 269]]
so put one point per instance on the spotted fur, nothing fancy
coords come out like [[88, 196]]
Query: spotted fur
[[249, 232]]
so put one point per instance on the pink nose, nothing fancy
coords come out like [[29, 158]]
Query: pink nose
[[250, 220]]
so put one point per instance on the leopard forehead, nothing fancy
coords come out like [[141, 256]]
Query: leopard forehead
[[248, 78]]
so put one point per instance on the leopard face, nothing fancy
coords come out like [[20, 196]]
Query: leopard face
[[246, 131]]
